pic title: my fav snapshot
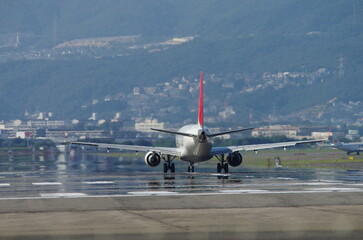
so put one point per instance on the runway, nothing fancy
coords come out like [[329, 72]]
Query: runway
[[112, 198], [261, 181], [96, 175]]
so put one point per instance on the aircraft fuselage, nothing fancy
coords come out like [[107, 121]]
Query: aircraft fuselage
[[350, 147], [194, 149]]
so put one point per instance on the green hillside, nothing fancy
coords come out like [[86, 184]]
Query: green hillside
[[248, 37]]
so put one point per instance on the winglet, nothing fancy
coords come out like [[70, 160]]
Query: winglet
[[200, 107]]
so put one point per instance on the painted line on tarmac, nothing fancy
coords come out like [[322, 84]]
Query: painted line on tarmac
[[170, 193], [245, 191], [220, 175], [4, 184], [310, 190], [99, 182], [47, 184], [295, 184], [335, 189], [62, 195], [153, 193]]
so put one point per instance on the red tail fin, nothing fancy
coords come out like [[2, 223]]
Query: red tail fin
[[200, 108]]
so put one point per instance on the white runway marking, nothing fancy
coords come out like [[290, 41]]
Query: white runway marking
[[150, 193], [245, 191], [220, 175], [62, 195], [167, 193], [335, 189], [4, 184], [99, 182], [289, 184], [47, 184]]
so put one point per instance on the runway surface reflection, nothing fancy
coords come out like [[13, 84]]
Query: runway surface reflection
[[83, 175]]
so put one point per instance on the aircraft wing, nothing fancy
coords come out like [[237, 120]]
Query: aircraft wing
[[256, 147], [136, 148]]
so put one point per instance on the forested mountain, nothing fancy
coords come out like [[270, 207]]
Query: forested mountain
[[246, 37], [60, 20]]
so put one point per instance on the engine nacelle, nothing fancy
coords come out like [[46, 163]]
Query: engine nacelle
[[234, 159], [152, 159]]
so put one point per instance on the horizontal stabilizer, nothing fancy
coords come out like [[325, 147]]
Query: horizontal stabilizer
[[193, 135], [175, 133], [228, 132]]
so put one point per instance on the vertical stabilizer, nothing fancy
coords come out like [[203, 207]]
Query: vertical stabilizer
[[200, 107]]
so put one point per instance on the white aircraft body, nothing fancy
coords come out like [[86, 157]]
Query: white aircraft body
[[194, 144], [356, 147]]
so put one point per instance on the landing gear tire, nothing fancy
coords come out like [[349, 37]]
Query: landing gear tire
[[168, 165], [172, 168], [225, 168], [165, 168], [190, 168], [221, 166]]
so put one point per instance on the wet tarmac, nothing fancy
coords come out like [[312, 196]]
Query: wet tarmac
[[100, 196], [101, 175]]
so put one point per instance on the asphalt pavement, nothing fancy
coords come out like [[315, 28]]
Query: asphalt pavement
[[106, 198]]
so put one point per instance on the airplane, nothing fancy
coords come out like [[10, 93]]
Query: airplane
[[356, 147], [194, 144]]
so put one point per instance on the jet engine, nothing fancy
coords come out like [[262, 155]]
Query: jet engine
[[152, 159], [234, 159]]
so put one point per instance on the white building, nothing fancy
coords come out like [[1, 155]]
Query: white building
[[321, 135], [276, 130], [147, 124], [23, 135]]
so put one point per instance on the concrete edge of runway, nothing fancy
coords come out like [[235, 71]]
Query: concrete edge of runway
[[192, 201]]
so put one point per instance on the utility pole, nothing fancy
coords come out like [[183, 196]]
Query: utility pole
[[341, 67]]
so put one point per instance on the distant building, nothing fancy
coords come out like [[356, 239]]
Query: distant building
[[276, 130], [147, 124], [352, 134], [102, 121], [210, 119], [93, 117], [227, 113], [321, 135], [6, 133], [54, 134], [17, 123], [23, 135], [136, 91], [49, 124], [116, 118], [149, 90], [128, 125], [75, 121], [56, 124]]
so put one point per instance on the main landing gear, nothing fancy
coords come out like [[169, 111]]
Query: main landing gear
[[222, 165], [168, 165], [191, 167]]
